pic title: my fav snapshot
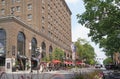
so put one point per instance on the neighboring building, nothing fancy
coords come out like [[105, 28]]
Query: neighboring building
[[26, 25]]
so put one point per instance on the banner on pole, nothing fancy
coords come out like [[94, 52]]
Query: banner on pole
[[73, 47]]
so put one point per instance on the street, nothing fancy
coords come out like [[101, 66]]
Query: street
[[60, 74]]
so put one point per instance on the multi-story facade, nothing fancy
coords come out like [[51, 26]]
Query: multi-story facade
[[26, 25]]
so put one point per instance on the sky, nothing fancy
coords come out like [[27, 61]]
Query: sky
[[79, 31]]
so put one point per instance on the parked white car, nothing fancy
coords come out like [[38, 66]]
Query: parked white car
[[98, 66]]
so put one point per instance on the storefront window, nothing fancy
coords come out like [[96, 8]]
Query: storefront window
[[2, 47], [2, 41], [21, 43]]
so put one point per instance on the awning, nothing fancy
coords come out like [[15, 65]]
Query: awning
[[78, 62], [56, 61], [68, 62]]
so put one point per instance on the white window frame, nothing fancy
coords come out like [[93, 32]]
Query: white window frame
[[2, 11], [18, 8], [29, 6], [29, 16]]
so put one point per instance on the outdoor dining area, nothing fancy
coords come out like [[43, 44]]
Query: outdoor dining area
[[60, 65]]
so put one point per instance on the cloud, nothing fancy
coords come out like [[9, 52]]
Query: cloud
[[71, 1], [79, 31]]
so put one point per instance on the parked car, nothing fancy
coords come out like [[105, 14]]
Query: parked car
[[98, 66], [111, 72], [110, 67]]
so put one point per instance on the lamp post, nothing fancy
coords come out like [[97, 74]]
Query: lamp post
[[63, 58]]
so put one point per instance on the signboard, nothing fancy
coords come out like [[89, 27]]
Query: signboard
[[73, 48]]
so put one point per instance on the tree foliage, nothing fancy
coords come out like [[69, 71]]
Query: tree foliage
[[85, 51], [102, 18], [107, 61], [58, 54]]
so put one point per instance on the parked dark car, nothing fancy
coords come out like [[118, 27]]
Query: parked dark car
[[114, 75], [111, 72], [111, 67]]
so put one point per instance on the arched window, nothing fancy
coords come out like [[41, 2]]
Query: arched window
[[2, 41], [2, 47], [50, 49], [34, 46], [43, 49], [21, 43]]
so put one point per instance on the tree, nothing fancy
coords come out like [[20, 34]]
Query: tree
[[102, 18], [58, 54], [85, 51], [107, 61]]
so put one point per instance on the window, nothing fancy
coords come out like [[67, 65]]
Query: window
[[50, 49], [21, 43], [34, 46], [29, 16], [2, 41], [18, 8], [13, 1], [3, 11], [18, 0], [3, 2], [43, 45], [43, 9], [43, 19], [2, 46], [12, 9], [29, 6], [49, 34], [43, 29], [43, 1]]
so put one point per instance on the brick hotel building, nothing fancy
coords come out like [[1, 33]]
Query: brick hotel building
[[26, 25]]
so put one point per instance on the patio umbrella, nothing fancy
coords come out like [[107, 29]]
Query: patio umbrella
[[56, 61], [78, 62], [67, 62]]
